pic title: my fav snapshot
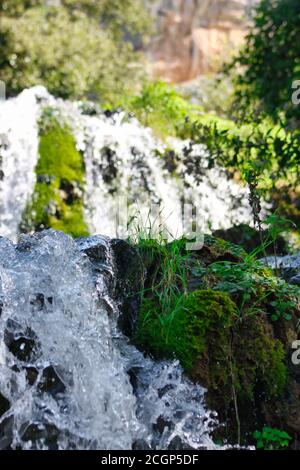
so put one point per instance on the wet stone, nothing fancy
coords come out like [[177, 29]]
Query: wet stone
[[48, 433], [94, 247], [4, 405], [6, 433], [47, 179], [295, 280], [178, 444], [38, 301], [140, 444], [22, 347], [161, 424], [51, 383], [31, 375]]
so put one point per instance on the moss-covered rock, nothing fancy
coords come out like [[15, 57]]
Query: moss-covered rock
[[57, 201], [214, 311], [185, 332]]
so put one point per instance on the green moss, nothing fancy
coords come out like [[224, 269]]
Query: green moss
[[204, 332], [259, 360], [184, 331], [58, 195]]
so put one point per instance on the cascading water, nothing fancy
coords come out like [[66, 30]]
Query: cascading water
[[122, 160], [18, 158], [68, 377]]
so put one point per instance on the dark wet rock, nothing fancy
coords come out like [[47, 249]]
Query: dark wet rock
[[133, 377], [171, 161], [95, 247], [89, 108], [44, 179], [31, 375], [38, 301], [140, 444], [161, 424], [110, 112], [70, 191], [130, 274], [288, 267], [51, 383], [295, 280], [47, 433], [22, 346], [4, 405], [178, 444], [249, 238], [109, 165], [6, 433], [98, 250]]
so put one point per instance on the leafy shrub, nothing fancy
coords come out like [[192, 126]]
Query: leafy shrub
[[161, 107], [271, 439], [265, 149], [270, 61], [254, 288]]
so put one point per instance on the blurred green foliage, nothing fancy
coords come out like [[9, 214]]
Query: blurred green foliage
[[159, 106], [167, 111], [77, 49], [270, 62], [271, 439]]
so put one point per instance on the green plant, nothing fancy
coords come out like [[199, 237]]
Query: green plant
[[271, 439], [267, 151], [161, 107], [254, 288]]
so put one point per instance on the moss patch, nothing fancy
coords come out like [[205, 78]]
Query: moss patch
[[184, 332], [58, 195]]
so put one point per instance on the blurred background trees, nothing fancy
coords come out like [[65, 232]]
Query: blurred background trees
[[77, 49], [270, 61]]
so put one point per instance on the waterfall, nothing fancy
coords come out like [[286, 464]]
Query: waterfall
[[69, 379], [18, 158], [123, 160]]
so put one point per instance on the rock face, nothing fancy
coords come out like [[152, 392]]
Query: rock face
[[288, 267], [196, 35]]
